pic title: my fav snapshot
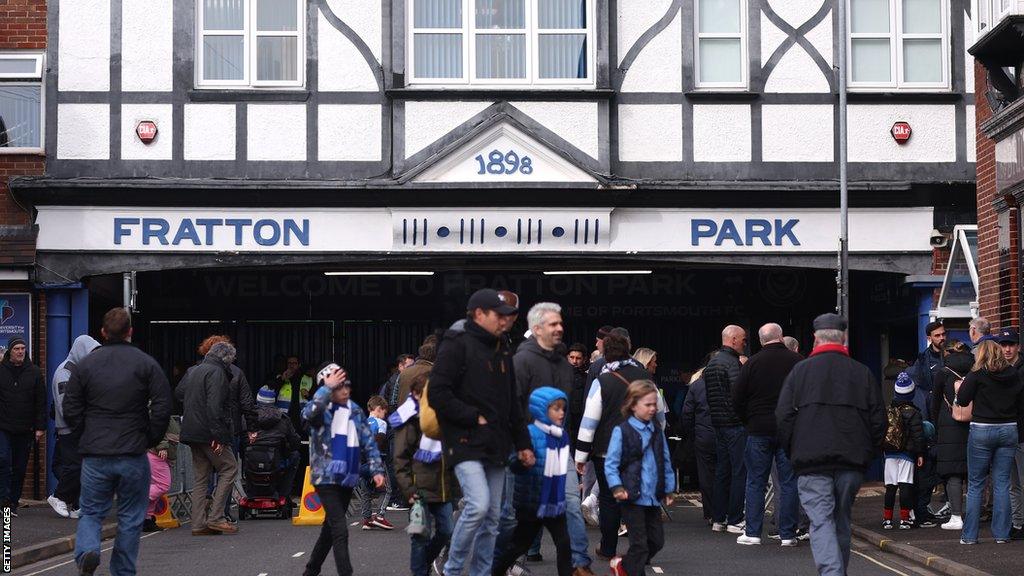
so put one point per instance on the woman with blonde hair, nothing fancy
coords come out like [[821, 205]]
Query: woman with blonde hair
[[647, 358], [995, 393]]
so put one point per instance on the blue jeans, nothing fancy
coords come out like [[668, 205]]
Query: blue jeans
[[14, 451], [574, 523], [102, 478], [989, 448], [482, 485], [761, 452], [730, 475], [425, 550], [507, 521], [828, 500]]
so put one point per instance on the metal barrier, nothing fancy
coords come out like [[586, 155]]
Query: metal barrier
[[182, 481]]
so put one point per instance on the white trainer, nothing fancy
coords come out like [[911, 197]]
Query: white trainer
[[954, 523], [740, 528], [790, 542], [748, 540], [718, 527], [58, 506]]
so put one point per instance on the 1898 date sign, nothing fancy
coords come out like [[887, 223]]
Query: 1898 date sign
[[146, 131], [901, 132]]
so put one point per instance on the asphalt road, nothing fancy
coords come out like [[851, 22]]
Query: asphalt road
[[275, 547]]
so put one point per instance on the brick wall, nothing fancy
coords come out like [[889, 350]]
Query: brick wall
[[22, 24], [998, 275]]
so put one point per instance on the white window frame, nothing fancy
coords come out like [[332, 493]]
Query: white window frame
[[469, 79], [896, 36], [988, 13], [250, 35], [34, 79], [743, 35]]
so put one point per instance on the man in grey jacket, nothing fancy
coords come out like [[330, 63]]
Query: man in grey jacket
[[67, 462]]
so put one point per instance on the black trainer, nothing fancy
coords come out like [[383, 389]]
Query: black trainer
[[90, 561]]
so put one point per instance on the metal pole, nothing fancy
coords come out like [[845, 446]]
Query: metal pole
[[843, 305]]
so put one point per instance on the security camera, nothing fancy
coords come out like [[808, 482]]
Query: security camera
[[938, 239]]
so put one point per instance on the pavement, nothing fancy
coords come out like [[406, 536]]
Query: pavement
[[275, 547], [38, 532]]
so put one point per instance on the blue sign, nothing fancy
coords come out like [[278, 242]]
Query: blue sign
[[200, 231], [748, 232], [507, 163], [16, 318]]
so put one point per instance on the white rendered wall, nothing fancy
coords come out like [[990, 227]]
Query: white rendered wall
[[771, 39], [147, 29], [131, 147], [83, 131], [340, 66], [634, 20], [933, 137], [659, 66], [209, 132], [83, 46], [650, 133], [971, 130], [721, 133], [797, 133], [426, 122], [796, 72], [349, 132], [576, 122], [795, 12], [364, 18], [277, 132]]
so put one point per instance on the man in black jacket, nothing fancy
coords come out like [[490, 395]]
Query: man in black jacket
[[831, 424], [474, 394], [206, 428], [754, 398], [22, 419], [121, 401], [730, 438]]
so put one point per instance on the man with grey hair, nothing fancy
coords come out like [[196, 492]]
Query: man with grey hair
[[730, 438], [754, 398], [206, 429], [831, 424], [538, 362], [979, 330], [791, 343]]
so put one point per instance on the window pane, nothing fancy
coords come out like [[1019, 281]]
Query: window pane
[[223, 14], [223, 58], [871, 61], [501, 56], [720, 15], [20, 66], [721, 60], [438, 14], [869, 15], [501, 14], [922, 16], [922, 60], [563, 55], [19, 116], [438, 55], [277, 58], [276, 15], [562, 14]]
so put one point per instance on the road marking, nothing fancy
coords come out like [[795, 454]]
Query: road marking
[[262, 574], [657, 570], [72, 561], [297, 554], [887, 567], [354, 524]]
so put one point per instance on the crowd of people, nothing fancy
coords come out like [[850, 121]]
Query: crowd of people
[[490, 446]]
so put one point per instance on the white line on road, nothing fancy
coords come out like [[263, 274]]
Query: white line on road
[[887, 567], [262, 574], [297, 554], [72, 561], [355, 524], [657, 570]]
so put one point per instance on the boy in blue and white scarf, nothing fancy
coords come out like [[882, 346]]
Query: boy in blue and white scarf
[[539, 497], [339, 437]]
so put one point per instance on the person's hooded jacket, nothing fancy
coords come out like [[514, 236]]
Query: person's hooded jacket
[[120, 398], [22, 396], [275, 429], [536, 367], [203, 392], [998, 397], [431, 481], [951, 436], [242, 403], [530, 481], [81, 348], [472, 377]]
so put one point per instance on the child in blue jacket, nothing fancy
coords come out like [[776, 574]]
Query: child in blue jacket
[[539, 497], [639, 471]]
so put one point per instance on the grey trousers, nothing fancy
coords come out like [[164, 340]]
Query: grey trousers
[[828, 501], [955, 494], [1016, 492]]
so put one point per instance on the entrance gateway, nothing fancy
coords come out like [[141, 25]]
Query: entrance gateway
[[364, 284]]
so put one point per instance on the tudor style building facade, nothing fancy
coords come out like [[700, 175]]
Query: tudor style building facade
[[477, 138]]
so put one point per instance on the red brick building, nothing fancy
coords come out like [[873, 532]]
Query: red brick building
[[22, 69], [1000, 161]]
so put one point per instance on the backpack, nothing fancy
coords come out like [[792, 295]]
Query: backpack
[[895, 434], [428, 417]]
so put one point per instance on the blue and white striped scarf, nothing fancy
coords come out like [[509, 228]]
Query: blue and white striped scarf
[[429, 450], [556, 466], [344, 446]]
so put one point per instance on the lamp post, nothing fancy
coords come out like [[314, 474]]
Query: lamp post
[[843, 277]]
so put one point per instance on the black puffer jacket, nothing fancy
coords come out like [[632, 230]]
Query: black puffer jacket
[[243, 405], [536, 367], [275, 429], [951, 441], [22, 397], [206, 413], [720, 376], [830, 414], [472, 377]]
